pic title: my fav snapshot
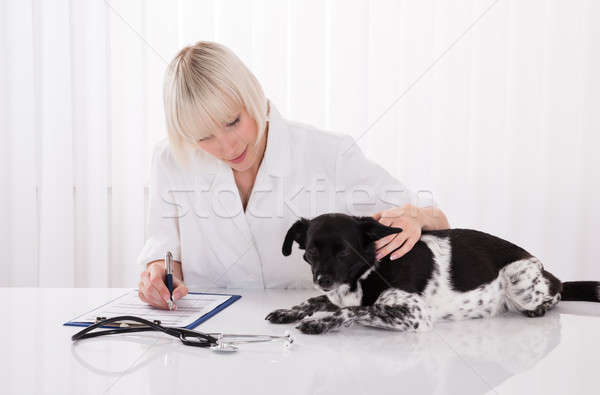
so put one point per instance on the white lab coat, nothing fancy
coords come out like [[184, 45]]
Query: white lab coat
[[197, 214]]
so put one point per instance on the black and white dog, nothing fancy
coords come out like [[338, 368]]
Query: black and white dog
[[449, 274]]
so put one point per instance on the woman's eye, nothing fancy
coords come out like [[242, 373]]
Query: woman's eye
[[234, 122], [204, 138]]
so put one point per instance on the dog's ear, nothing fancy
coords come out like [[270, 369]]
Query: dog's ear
[[297, 233], [373, 230]]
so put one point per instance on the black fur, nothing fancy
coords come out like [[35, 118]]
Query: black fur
[[588, 291], [409, 273], [477, 257], [296, 233]]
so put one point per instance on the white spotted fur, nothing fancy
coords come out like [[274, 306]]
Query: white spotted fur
[[445, 302]]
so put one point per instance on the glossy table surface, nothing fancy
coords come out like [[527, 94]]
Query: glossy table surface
[[508, 354]]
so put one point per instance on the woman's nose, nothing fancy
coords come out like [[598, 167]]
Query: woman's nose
[[228, 145]]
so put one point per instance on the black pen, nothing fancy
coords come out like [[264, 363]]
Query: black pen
[[169, 279]]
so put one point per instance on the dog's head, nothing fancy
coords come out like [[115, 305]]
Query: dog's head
[[338, 247]]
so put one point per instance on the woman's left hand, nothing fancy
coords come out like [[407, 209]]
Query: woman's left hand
[[406, 217]]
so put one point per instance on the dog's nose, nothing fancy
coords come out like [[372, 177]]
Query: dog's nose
[[324, 281]]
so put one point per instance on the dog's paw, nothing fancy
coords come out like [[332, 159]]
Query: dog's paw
[[538, 312], [313, 326], [284, 316]]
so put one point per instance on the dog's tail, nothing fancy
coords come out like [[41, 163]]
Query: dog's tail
[[583, 291]]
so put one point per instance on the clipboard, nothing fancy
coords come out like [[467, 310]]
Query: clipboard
[[222, 304]]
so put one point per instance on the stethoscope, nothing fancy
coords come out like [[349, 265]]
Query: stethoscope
[[219, 342]]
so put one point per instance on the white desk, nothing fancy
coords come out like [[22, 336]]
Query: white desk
[[510, 354]]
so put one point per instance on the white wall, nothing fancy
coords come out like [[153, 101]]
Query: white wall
[[491, 105]]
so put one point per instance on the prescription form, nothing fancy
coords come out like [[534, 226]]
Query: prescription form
[[189, 309]]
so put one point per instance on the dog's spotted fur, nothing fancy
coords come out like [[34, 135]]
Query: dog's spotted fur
[[431, 283]]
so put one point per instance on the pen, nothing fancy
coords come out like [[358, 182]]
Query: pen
[[169, 271]]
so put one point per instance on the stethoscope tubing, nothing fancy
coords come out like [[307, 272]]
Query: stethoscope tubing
[[180, 333]]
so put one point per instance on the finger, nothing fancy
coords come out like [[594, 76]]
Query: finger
[[144, 288], [381, 243], [390, 247], [180, 290], [385, 221], [377, 216], [403, 250], [157, 279], [385, 240], [151, 294], [143, 285], [396, 243], [153, 297], [395, 214], [141, 294]]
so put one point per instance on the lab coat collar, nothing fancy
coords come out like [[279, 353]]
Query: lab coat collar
[[278, 150]]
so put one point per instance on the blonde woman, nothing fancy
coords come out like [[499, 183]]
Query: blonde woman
[[233, 176]]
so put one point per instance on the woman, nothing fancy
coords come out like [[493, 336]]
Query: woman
[[233, 176]]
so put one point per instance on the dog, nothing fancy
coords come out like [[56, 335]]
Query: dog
[[450, 274]]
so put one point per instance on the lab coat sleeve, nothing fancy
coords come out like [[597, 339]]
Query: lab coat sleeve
[[162, 232], [365, 188]]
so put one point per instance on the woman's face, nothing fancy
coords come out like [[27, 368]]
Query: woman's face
[[234, 142]]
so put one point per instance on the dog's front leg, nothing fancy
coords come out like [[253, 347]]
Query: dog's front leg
[[304, 309], [344, 316], [394, 309]]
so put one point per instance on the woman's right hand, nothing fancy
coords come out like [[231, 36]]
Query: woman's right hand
[[152, 288]]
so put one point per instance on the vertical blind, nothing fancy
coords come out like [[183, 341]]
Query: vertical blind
[[491, 106]]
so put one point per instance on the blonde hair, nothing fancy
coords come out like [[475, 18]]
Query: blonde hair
[[205, 87]]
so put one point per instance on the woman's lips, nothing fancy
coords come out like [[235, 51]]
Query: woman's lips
[[240, 158]]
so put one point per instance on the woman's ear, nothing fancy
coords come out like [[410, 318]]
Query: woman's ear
[[372, 230], [297, 233]]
